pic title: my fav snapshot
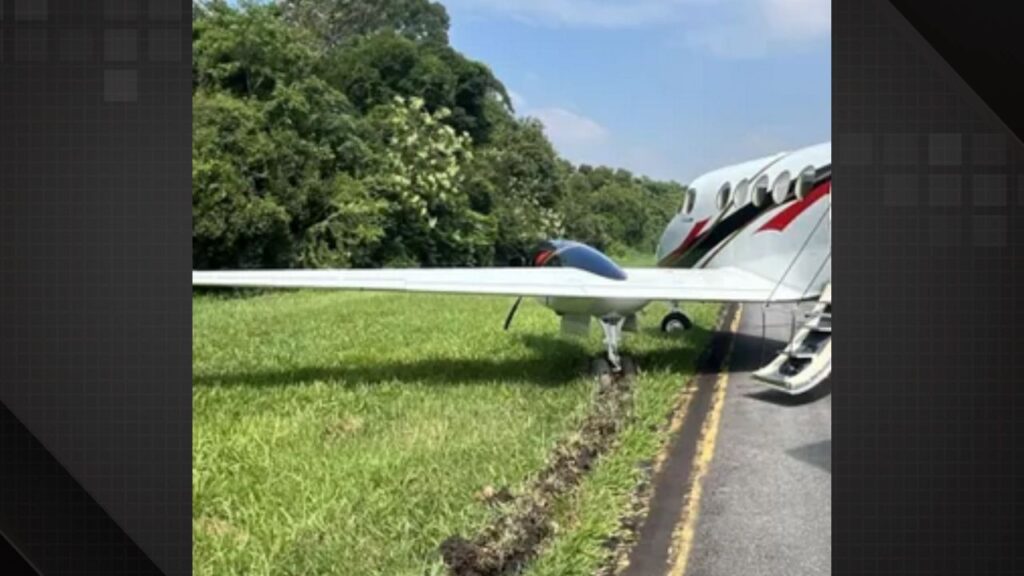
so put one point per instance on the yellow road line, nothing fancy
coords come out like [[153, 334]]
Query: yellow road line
[[681, 409], [683, 538]]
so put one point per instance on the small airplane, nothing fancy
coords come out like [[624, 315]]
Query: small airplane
[[755, 232]]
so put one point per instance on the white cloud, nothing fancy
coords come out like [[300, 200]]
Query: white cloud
[[754, 28], [798, 19], [727, 28], [576, 137], [732, 41], [582, 13], [584, 140], [569, 129]]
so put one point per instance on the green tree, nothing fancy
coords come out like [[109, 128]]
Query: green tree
[[613, 210], [235, 222], [247, 51], [418, 171], [349, 133], [269, 143], [373, 70], [337, 21], [517, 179], [351, 229]]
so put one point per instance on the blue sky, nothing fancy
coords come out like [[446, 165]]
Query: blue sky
[[665, 88]]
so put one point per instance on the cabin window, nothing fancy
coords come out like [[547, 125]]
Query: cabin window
[[805, 181], [689, 199], [780, 189], [724, 196], [759, 195], [741, 194]]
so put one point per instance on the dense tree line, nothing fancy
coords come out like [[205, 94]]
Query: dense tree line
[[350, 133]]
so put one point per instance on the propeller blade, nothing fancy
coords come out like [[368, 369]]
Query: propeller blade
[[512, 313]]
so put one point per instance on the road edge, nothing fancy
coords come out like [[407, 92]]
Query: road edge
[[666, 535]]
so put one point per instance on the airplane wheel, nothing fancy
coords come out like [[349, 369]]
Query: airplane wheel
[[675, 322], [601, 368]]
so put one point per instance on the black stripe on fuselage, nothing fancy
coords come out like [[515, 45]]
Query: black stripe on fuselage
[[720, 233], [715, 239]]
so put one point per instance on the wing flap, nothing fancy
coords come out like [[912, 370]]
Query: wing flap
[[710, 285]]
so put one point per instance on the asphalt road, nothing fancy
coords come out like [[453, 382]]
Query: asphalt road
[[764, 501], [766, 507]]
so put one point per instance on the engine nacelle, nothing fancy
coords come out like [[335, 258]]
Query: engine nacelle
[[578, 255], [587, 258]]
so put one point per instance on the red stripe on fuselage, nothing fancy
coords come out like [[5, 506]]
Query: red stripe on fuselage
[[691, 238], [783, 219], [689, 241]]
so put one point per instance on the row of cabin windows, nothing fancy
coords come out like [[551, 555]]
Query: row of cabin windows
[[779, 191]]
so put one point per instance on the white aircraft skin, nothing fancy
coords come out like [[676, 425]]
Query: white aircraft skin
[[765, 228], [758, 232], [777, 222]]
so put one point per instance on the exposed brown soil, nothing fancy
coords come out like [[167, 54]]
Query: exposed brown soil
[[521, 525], [524, 522]]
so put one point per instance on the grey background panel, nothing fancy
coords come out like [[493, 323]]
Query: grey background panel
[[95, 228]]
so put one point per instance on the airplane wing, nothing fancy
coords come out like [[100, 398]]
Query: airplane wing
[[661, 284]]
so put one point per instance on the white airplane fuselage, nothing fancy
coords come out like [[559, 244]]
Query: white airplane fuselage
[[770, 217]]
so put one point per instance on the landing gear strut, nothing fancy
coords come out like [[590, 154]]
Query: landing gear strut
[[675, 321], [612, 327]]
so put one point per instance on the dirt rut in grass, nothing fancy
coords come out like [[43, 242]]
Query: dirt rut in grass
[[515, 535]]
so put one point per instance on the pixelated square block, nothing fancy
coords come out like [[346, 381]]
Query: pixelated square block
[[120, 85], [945, 149], [988, 231], [30, 45], [900, 189], [989, 189], [900, 149], [121, 10], [165, 10], [31, 10], [855, 149], [164, 45], [945, 189], [120, 45], [988, 149], [76, 45], [945, 230]]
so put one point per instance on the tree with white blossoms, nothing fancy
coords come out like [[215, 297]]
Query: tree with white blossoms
[[349, 133], [418, 170]]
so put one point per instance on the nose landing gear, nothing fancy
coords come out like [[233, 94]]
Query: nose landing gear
[[612, 327]]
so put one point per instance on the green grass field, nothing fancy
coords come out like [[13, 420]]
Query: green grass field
[[349, 433]]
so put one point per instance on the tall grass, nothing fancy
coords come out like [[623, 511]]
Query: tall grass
[[350, 433]]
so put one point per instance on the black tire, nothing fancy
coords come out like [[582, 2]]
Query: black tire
[[600, 367], [674, 321]]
